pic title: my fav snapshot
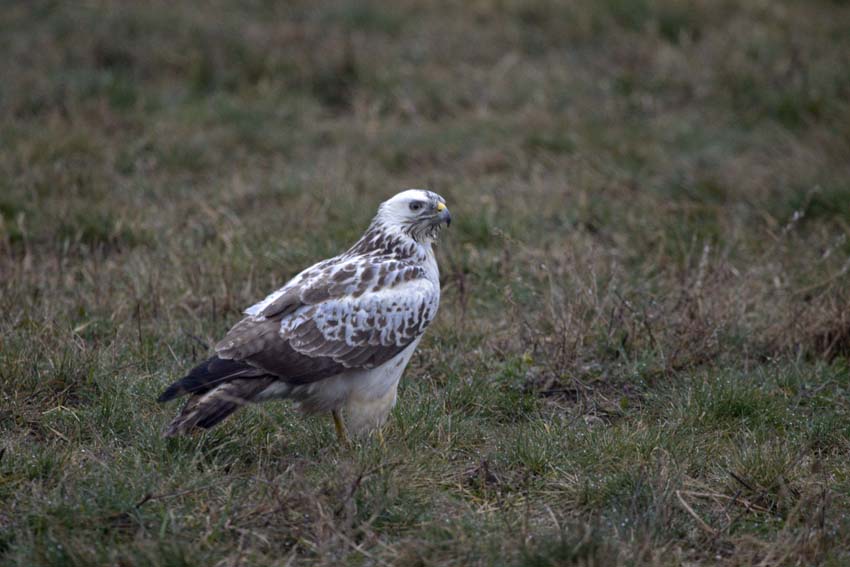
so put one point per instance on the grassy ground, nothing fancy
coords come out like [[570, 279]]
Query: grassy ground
[[642, 352]]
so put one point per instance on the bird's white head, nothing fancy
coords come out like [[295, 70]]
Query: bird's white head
[[415, 213]]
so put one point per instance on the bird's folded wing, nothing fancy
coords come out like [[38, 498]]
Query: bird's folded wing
[[325, 326]]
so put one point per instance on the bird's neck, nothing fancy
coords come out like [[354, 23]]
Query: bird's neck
[[383, 240]]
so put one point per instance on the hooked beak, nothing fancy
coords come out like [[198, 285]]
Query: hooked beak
[[444, 216]]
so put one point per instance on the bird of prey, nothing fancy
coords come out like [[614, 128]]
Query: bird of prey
[[338, 336]]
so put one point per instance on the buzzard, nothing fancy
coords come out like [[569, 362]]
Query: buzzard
[[338, 336]]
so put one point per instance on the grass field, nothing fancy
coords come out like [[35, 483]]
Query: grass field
[[642, 352]]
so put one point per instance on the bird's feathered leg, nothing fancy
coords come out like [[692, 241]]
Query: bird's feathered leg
[[341, 431]]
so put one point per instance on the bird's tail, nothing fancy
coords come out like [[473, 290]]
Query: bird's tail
[[206, 410], [217, 387]]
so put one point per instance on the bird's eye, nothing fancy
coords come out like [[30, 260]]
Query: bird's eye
[[415, 206]]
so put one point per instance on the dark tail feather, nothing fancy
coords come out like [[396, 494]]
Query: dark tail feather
[[211, 407], [207, 375]]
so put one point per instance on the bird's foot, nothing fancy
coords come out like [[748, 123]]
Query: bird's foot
[[341, 431]]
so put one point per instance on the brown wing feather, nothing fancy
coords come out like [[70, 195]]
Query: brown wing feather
[[285, 340]]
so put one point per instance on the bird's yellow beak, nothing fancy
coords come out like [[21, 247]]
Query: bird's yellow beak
[[441, 207]]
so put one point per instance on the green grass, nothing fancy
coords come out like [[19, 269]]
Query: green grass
[[642, 351]]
